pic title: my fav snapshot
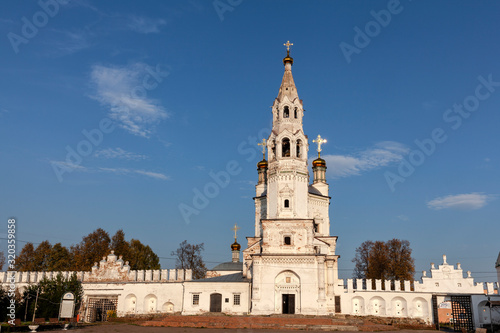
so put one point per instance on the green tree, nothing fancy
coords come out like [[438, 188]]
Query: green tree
[[50, 293], [142, 256], [60, 258], [188, 256], [120, 245], [42, 256]]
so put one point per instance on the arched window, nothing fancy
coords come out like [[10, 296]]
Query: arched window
[[299, 143], [286, 112], [287, 240], [273, 149], [295, 113], [285, 148], [287, 203]]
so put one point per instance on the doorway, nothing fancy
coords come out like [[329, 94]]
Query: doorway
[[288, 303], [215, 303]]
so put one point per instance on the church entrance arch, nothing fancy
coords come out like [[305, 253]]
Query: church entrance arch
[[287, 293], [215, 302]]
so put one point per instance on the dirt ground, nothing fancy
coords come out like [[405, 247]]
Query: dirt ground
[[126, 328]]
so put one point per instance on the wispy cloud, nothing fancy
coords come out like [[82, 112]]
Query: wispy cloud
[[124, 171], [403, 218], [119, 153], [70, 167], [145, 25], [468, 201], [68, 42], [380, 155], [117, 88]]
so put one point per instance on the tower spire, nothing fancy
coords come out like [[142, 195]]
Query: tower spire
[[287, 87]]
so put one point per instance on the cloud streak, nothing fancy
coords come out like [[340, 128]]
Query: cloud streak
[[70, 167], [469, 201], [380, 155], [145, 25], [119, 153], [122, 90]]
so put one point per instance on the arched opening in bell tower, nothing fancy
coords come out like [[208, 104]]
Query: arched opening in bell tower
[[285, 148], [286, 112], [299, 143]]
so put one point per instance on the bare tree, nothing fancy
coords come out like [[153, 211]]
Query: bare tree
[[188, 256]]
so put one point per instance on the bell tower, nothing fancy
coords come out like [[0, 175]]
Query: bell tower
[[291, 259], [287, 146]]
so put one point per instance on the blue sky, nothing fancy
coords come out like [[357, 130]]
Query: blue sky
[[170, 92]]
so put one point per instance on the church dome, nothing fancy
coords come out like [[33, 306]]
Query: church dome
[[262, 164], [319, 162], [235, 246]]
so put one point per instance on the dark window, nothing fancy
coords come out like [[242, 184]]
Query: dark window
[[315, 227], [227, 300], [288, 240], [299, 143], [287, 203], [196, 299], [286, 112], [285, 148], [295, 113]]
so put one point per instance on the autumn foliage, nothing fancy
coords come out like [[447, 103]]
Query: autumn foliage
[[389, 260], [82, 256]]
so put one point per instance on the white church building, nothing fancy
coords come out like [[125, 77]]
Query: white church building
[[289, 265]]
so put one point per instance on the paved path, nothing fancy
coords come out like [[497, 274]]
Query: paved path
[[125, 328]]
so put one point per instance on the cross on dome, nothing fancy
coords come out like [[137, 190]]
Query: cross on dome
[[319, 141], [263, 144], [235, 229], [288, 44]]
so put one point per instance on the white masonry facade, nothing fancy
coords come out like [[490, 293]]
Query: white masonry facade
[[289, 265]]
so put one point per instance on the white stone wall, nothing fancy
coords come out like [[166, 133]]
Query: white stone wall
[[226, 289]]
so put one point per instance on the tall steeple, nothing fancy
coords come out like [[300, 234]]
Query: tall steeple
[[287, 87], [287, 152]]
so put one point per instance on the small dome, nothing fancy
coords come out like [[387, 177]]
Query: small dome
[[319, 162], [262, 164], [235, 246], [287, 59]]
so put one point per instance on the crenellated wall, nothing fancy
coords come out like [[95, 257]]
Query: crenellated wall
[[413, 299], [107, 270]]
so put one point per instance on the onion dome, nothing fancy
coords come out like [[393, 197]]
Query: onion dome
[[287, 58], [262, 164], [319, 162], [235, 246]]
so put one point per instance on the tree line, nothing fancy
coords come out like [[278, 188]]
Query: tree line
[[82, 256]]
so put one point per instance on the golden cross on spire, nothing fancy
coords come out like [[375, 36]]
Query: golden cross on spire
[[263, 144], [288, 44], [235, 229], [319, 140]]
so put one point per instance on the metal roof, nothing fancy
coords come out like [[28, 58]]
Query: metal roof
[[229, 266], [236, 277]]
